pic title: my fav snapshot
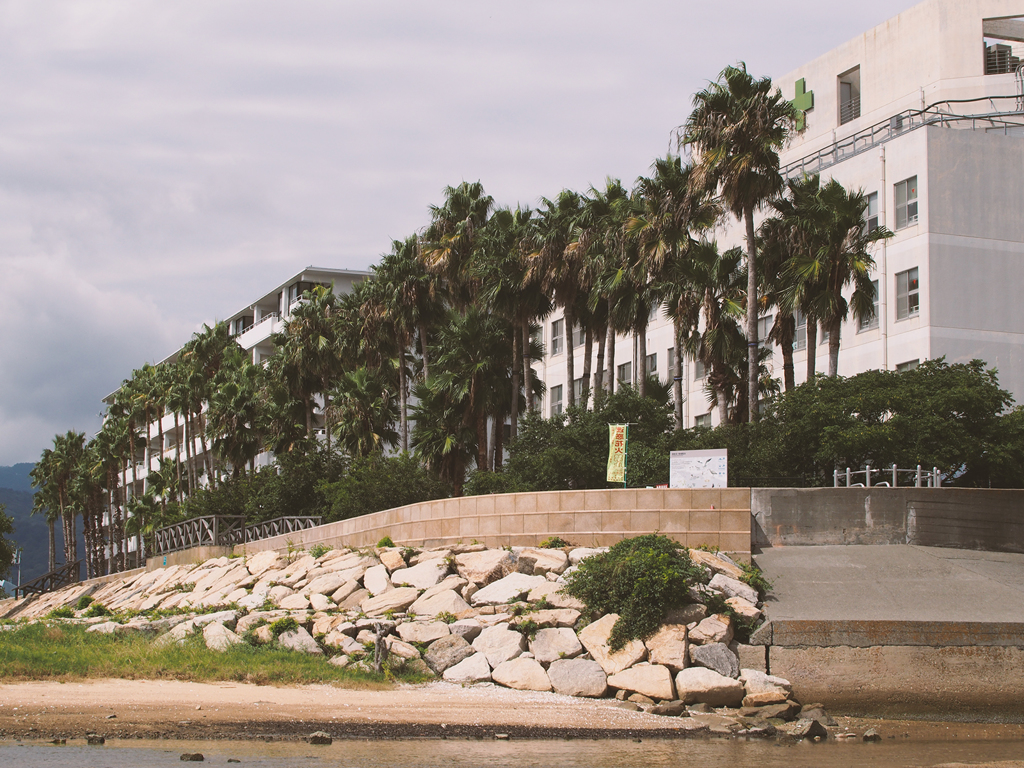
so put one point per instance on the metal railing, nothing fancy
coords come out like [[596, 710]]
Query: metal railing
[[55, 579], [903, 123], [849, 110], [889, 477], [279, 526], [199, 532], [224, 531]]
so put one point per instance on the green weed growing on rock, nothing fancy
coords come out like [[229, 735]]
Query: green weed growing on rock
[[640, 579], [287, 624]]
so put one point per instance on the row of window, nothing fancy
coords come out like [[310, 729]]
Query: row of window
[[905, 197]]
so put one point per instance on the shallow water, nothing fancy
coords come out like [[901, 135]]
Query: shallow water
[[417, 753]]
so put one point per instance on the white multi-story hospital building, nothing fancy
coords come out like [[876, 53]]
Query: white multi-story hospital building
[[925, 115]]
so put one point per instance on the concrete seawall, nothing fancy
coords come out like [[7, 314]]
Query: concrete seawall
[[715, 517]]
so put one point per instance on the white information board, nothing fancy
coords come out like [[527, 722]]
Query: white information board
[[699, 469]]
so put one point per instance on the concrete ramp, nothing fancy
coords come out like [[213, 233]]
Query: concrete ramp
[[898, 629]]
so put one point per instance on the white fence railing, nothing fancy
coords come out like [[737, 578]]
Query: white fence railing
[[887, 477]]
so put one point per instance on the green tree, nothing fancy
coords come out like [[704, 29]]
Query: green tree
[[737, 128], [7, 547]]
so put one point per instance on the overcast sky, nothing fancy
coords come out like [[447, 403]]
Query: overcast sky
[[162, 164]]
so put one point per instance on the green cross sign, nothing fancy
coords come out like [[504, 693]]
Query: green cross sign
[[803, 102]]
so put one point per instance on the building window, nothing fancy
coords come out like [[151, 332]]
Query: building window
[[626, 373], [764, 327], [556, 399], [908, 296], [653, 312], [906, 203], [537, 338], [867, 323], [652, 364], [699, 371], [670, 357], [822, 334], [800, 334], [577, 389], [907, 366], [704, 420], [556, 336], [579, 337], [849, 96], [871, 213]]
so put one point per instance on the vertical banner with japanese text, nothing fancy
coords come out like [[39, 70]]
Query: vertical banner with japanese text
[[617, 453]]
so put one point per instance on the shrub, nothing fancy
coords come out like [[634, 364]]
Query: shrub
[[64, 612], [447, 617], [754, 577], [386, 542], [319, 550], [84, 602], [554, 542], [96, 609], [640, 579], [287, 624]]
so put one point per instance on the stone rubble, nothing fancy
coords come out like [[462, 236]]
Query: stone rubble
[[468, 614]]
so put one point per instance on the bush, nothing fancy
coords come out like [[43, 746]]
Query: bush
[[378, 482], [84, 602], [385, 542], [287, 624], [64, 612], [640, 579], [319, 550], [96, 609], [554, 542]]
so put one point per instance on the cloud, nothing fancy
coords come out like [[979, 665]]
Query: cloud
[[162, 164]]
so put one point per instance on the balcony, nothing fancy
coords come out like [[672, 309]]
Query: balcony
[[849, 110]]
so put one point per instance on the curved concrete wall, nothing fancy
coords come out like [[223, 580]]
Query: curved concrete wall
[[717, 517]]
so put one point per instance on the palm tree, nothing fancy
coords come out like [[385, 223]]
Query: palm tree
[[737, 128], [559, 262], [307, 351], [837, 257], [364, 413], [44, 501], [509, 290], [236, 417], [674, 213], [450, 242]]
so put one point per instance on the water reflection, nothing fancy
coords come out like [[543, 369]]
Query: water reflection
[[426, 753]]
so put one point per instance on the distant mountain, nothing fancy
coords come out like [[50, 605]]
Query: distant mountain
[[31, 533], [17, 477]]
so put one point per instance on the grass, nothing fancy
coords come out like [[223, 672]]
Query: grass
[[69, 653]]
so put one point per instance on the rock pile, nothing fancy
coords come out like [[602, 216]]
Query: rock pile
[[466, 614]]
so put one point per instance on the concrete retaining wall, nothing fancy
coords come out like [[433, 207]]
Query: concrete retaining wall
[[717, 517], [894, 681], [967, 518]]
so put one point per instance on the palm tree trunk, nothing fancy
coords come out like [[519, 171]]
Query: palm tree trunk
[[514, 402], [570, 356], [752, 312], [207, 457], [610, 351], [723, 407], [599, 366], [787, 329], [51, 521], [588, 353], [481, 441], [641, 363], [677, 374], [812, 346], [527, 368], [177, 456], [833, 347], [424, 351], [499, 445], [403, 401]]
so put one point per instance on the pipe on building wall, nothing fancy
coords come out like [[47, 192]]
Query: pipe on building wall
[[883, 282]]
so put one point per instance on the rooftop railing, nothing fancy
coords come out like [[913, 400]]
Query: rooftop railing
[[941, 114]]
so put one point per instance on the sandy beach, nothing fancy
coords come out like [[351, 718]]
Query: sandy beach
[[181, 710]]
